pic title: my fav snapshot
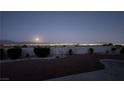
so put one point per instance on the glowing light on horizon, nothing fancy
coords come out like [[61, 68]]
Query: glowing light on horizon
[[37, 39]]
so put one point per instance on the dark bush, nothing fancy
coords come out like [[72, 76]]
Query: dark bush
[[2, 54], [70, 52], [91, 50], [14, 53], [109, 44], [24, 46], [42, 52], [17, 46], [118, 46], [64, 45], [113, 49], [122, 51]]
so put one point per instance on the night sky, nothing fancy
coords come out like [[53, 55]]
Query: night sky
[[63, 27]]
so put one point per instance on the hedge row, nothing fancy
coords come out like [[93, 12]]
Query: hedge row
[[15, 53]]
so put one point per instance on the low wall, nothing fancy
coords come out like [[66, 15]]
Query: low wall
[[64, 50]]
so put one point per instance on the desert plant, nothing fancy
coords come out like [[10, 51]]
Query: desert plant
[[42, 52], [64, 45], [118, 46], [24, 46], [91, 50], [14, 53], [2, 54], [70, 52], [110, 44], [16, 46], [113, 49], [122, 51]]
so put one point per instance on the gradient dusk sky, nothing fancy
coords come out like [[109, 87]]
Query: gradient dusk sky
[[63, 27]]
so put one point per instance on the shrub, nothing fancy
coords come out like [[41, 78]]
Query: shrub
[[91, 50], [70, 52], [17, 46], [42, 52], [24, 46], [2, 54], [122, 51], [118, 46], [113, 49], [110, 44], [64, 45], [14, 53]]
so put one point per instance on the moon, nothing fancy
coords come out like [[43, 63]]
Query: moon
[[37, 39]]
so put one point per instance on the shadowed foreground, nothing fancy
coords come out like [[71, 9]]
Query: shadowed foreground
[[51, 68]]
